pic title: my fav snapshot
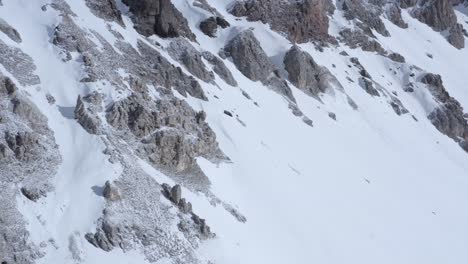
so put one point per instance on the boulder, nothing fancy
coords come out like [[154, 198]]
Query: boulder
[[182, 51], [111, 192], [302, 21], [456, 36], [159, 17], [10, 31], [249, 57]]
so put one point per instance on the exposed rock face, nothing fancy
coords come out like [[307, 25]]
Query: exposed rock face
[[253, 62], [448, 118], [368, 86], [367, 13], [210, 25], [408, 3], [159, 17], [456, 36], [219, 68], [182, 51], [29, 158], [86, 115], [396, 57], [105, 9], [147, 63], [249, 57], [9, 31], [168, 133], [393, 13], [304, 73], [302, 21], [111, 192], [19, 64], [357, 39], [437, 14]]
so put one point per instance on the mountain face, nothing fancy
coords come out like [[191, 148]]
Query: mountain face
[[233, 131]]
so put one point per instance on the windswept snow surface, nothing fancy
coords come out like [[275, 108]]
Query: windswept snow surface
[[370, 187]]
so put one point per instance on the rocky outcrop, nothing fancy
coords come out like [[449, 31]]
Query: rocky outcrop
[[106, 9], [10, 31], [357, 39], [111, 192], [438, 14], [19, 64], [393, 13], [396, 57], [182, 51], [29, 159], [159, 17], [86, 116], [367, 14], [368, 86], [302, 21], [249, 57], [448, 118], [146, 63], [252, 61], [305, 73], [456, 36], [210, 25], [168, 133], [220, 68]]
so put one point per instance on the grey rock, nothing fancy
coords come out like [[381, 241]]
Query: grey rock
[[249, 57], [10, 31], [159, 17], [396, 57], [368, 86], [362, 71], [33, 194], [393, 13], [209, 26], [438, 14], [456, 36], [176, 194], [111, 192], [367, 14], [85, 117], [280, 86], [408, 3], [106, 9], [448, 118], [302, 21], [357, 39], [182, 51], [19, 64], [220, 68], [305, 73]]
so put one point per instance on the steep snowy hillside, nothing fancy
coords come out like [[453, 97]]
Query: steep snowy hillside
[[233, 131]]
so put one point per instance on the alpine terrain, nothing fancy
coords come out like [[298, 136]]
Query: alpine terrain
[[233, 131]]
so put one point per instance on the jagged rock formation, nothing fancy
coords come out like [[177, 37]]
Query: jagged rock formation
[[456, 36], [439, 15], [86, 115], [28, 159], [302, 21], [159, 17], [249, 57], [393, 13], [357, 39], [182, 51], [305, 74], [106, 9], [170, 135], [210, 25], [8, 30], [219, 68], [367, 14], [100, 63], [448, 118], [252, 61]]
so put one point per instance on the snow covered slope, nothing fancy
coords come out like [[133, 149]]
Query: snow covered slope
[[129, 135]]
